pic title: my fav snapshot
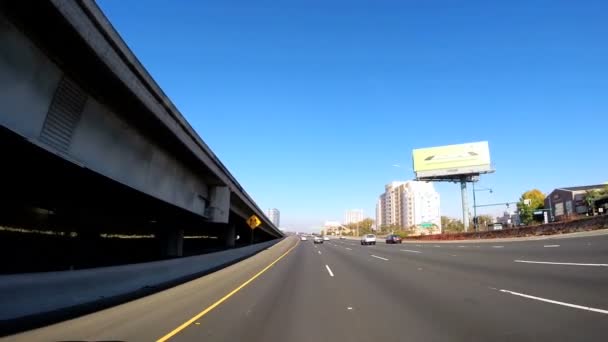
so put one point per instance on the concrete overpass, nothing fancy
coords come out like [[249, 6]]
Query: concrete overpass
[[92, 143]]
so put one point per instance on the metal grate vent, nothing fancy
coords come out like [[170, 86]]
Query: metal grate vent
[[64, 113]]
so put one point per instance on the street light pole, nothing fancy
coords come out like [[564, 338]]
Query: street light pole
[[475, 219]]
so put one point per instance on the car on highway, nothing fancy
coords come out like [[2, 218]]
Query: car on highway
[[368, 239], [318, 239], [326, 238], [393, 238], [342, 238], [303, 238]]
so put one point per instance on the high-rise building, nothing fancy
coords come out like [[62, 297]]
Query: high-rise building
[[334, 228], [388, 209], [274, 215], [379, 210], [420, 204], [353, 216], [409, 205]]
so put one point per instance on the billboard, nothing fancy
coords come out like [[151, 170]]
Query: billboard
[[452, 160]]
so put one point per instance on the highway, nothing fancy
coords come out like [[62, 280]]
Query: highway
[[531, 290]]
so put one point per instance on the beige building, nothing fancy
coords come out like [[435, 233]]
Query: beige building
[[334, 228], [353, 216], [421, 207], [410, 204], [379, 210], [388, 209]]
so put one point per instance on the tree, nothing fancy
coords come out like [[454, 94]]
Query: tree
[[451, 225], [362, 227], [593, 195], [484, 220], [391, 228], [529, 202], [445, 221]]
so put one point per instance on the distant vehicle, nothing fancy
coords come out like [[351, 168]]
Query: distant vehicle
[[326, 238], [303, 238], [318, 239], [342, 238], [496, 226], [393, 239], [368, 239]]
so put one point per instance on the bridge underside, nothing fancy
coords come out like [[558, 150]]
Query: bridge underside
[[97, 166], [57, 215]]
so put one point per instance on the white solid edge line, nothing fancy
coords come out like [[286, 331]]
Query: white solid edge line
[[560, 263], [498, 246], [556, 302], [331, 274], [375, 256], [350, 249], [550, 246], [409, 250]]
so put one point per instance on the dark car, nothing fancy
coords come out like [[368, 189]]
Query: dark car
[[393, 239]]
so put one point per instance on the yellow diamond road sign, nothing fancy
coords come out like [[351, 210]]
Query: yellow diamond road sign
[[253, 221]]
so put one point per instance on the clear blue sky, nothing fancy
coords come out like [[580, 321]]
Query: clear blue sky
[[310, 103]]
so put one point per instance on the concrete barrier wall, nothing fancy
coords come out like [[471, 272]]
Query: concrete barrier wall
[[580, 225], [36, 294]]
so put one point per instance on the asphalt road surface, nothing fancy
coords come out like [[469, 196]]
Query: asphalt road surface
[[539, 290]]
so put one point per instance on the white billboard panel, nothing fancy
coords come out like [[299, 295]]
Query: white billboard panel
[[452, 160]]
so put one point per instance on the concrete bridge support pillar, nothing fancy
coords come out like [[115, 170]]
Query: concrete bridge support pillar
[[172, 242], [219, 203], [230, 236]]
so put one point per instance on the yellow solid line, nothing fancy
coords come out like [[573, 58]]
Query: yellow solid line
[[223, 299]]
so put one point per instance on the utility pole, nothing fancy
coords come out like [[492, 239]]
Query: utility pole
[[550, 209]]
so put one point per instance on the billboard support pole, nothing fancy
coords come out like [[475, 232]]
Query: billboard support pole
[[465, 205], [475, 219]]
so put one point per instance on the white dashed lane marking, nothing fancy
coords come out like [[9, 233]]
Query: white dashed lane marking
[[560, 263], [587, 308]]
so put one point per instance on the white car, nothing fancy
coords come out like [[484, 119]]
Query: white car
[[326, 238], [303, 238], [368, 239]]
